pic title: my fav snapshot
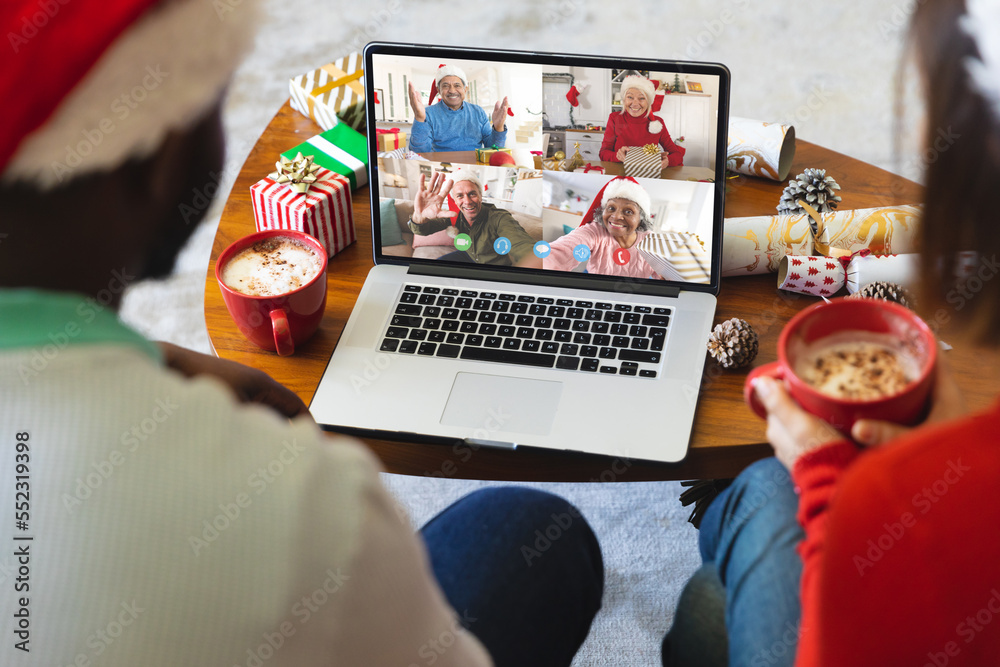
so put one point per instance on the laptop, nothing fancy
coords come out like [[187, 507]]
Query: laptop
[[525, 292]]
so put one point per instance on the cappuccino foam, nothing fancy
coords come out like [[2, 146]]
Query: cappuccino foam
[[856, 370], [271, 267]]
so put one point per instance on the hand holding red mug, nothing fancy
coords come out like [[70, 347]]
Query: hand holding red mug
[[793, 432], [801, 416]]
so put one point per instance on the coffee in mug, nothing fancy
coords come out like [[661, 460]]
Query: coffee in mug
[[272, 266], [850, 359], [274, 286], [856, 366]]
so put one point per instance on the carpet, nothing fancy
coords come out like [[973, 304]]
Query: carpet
[[827, 68]]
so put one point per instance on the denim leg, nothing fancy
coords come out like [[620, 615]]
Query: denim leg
[[749, 533], [698, 636], [525, 565]]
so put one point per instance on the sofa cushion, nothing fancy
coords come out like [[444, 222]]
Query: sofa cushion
[[389, 224], [437, 238]]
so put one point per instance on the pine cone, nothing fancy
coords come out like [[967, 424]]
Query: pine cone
[[887, 292], [813, 187], [733, 343]]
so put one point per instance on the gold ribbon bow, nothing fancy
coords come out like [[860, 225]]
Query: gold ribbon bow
[[651, 149], [820, 233], [299, 173]]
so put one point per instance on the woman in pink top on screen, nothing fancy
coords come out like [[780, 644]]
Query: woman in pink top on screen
[[616, 221], [637, 126]]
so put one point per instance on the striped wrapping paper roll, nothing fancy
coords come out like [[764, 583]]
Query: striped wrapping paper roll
[[676, 256], [332, 93], [324, 212], [643, 161], [341, 150]]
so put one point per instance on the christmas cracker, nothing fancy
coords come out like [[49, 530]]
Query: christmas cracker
[[756, 148], [825, 276], [754, 245]]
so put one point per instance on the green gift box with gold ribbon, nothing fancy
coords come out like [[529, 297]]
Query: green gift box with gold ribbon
[[332, 93], [339, 149]]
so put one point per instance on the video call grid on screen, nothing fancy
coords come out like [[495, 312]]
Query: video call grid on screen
[[531, 214]]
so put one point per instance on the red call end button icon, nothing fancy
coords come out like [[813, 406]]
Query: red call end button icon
[[621, 256]]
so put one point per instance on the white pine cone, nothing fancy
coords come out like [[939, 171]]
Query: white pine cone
[[887, 291], [733, 343], [812, 186]]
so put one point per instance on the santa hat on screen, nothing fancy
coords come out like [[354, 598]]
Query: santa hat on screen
[[455, 178], [442, 72], [88, 90], [620, 187], [646, 87]]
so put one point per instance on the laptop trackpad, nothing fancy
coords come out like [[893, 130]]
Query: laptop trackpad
[[492, 403]]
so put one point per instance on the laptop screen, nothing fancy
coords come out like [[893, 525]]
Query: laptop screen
[[593, 167]]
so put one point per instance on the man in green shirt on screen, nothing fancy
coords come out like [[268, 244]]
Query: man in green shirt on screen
[[483, 224]]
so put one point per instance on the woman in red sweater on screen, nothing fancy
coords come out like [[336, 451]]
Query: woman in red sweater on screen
[[637, 126], [899, 547]]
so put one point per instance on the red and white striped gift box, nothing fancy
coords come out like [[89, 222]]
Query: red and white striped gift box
[[324, 212]]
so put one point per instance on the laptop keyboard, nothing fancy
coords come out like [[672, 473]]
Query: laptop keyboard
[[512, 328]]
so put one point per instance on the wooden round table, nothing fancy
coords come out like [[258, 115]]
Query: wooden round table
[[726, 435]]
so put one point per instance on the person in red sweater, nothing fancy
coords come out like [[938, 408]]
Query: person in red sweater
[[898, 563], [635, 125]]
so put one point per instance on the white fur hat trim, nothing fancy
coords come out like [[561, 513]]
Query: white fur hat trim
[[622, 188], [163, 73], [655, 127], [466, 175], [642, 84], [450, 70]]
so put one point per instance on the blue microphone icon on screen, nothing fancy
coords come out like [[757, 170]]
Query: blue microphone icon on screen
[[581, 253], [502, 245]]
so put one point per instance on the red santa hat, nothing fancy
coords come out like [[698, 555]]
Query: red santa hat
[[87, 89], [442, 72], [620, 187]]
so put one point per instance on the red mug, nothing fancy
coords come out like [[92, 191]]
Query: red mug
[[276, 323], [842, 315]]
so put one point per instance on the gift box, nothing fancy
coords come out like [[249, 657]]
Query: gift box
[[677, 256], [756, 148], [332, 92], [341, 150], [483, 154], [390, 140], [588, 168], [643, 161], [757, 244], [323, 210], [825, 276]]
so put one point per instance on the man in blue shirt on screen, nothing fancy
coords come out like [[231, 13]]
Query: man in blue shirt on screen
[[451, 124]]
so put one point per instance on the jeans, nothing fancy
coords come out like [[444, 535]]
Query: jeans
[[744, 601], [526, 566]]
